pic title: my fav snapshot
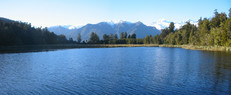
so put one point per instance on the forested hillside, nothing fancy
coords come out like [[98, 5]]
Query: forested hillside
[[209, 32], [19, 33]]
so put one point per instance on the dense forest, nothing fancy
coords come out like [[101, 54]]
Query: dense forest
[[113, 39], [19, 33], [209, 32]]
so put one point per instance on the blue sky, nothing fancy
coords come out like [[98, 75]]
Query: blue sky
[[80, 12]]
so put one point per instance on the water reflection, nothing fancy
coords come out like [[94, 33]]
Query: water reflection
[[136, 70]]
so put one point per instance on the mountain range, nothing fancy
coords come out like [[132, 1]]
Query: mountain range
[[6, 20], [140, 29]]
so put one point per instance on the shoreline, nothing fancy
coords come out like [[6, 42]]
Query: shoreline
[[37, 48], [207, 48], [191, 47]]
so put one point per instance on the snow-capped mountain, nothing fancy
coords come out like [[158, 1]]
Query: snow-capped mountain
[[113, 23], [71, 31], [163, 23], [63, 29], [101, 28], [70, 27]]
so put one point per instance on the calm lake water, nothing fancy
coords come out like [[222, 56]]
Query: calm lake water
[[130, 70]]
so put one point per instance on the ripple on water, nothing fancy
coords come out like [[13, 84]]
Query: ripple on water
[[137, 70]]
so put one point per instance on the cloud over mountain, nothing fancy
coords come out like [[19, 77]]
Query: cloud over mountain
[[163, 23]]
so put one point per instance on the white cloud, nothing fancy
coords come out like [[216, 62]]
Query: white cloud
[[160, 24], [163, 23], [71, 27]]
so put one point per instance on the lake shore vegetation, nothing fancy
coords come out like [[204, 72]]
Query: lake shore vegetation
[[209, 34]]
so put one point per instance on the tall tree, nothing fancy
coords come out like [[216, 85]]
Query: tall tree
[[204, 29], [146, 40], [79, 39], [215, 21], [122, 35], [115, 37], [215, 12], [105, 38], [129, 36], [111, 37], [163, 35], [125, 35], [171, 27], [230, 13], [94, 38], [133, 36]]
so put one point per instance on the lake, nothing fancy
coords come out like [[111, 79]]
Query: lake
[[128, 70]]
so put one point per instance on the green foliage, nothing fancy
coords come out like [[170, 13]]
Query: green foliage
[[157, 40], [171, 27], [179, 38], [139, 41], [125, 35], [163, 35], [122, 35], [170, 39], [106, 38], [133, 36], [216, 31], [131, 41], [79, 39], [147, 40], [94, 38], [19, 33], [111, 38], [129, 36], [115, 37], [230, 13], [152, 40]]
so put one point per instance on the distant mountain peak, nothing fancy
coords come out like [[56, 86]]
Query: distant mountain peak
[[114, 23], [139, 23], [124, 22], [118, 22], [111, 23], [69, 27], [6, 19], [101, 28]]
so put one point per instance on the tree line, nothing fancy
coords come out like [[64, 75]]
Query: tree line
[[210, 32], [125, 38], [19, 33]]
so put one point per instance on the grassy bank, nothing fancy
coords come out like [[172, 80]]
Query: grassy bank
[[192, 47], [35, 48], [208, 48]]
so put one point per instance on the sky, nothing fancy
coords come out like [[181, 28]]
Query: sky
[[47, 13]]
